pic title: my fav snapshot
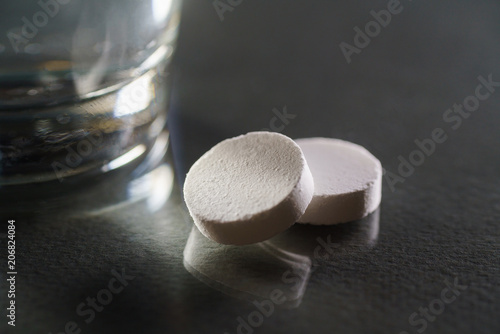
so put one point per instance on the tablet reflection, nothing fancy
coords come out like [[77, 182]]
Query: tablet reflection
[[247, 272], [323, 243], [283, 263]]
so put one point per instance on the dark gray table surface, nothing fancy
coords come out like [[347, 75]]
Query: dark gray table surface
[[437, 226]]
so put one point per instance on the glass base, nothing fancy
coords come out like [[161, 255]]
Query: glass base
[[94, 135]]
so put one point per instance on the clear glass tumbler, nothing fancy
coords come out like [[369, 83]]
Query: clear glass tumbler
[[83, 84]]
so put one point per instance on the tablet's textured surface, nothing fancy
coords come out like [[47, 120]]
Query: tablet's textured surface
[[347, 181], [248, 188]]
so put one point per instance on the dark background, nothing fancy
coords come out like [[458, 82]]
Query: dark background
[[440, 224]]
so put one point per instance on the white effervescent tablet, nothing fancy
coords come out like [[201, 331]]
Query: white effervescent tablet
[[248, 188], [347, 181]]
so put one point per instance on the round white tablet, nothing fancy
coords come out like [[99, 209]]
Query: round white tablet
[[248, 188], [347, 181]]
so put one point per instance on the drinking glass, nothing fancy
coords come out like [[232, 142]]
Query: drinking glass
[[83, 85]]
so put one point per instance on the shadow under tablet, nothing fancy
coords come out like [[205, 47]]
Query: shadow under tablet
[[281, 265]]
